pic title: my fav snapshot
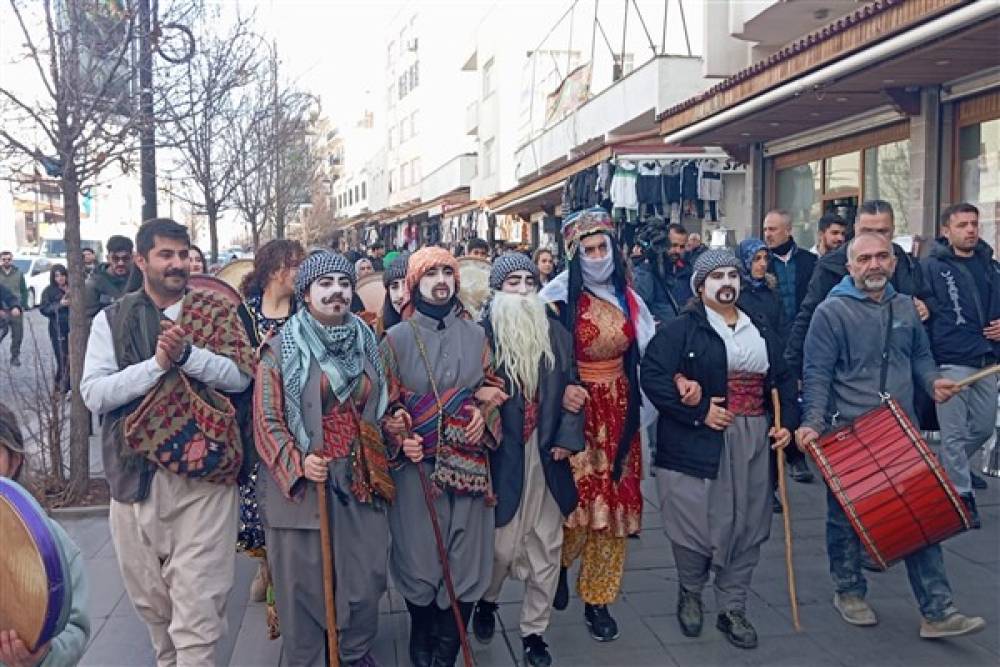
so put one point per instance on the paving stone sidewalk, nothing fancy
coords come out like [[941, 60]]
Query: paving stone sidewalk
[[645, 611]]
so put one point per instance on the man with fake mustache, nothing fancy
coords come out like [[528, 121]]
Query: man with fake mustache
[[319, 395], [712, 453], [437, 364], [156, 361], [533, 356]]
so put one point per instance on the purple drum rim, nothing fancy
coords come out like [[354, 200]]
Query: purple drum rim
[[37, 525]]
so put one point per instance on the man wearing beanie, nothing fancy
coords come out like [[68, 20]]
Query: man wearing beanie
[[436, 363], [610, 326], [533, 356], [712, 447], [396, 294], [320, 391]]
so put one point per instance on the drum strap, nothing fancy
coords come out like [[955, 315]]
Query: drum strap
[[884, 373]]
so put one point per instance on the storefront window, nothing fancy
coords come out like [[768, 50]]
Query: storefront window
[[799, 193], [979, 178], [887, 176], [842, 174]]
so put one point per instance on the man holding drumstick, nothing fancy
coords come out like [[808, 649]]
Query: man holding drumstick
[[840, 384]]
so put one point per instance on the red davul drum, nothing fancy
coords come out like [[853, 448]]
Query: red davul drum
[[35, 588], [890, 485]]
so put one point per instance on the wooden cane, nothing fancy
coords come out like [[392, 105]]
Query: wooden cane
[[786, 516], [445, 567], [976, 377], [328, 580]]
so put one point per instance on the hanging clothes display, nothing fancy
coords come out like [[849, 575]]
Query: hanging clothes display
[[648, 187], [710, 187]]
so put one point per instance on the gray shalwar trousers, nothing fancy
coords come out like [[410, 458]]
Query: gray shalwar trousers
[[360, 543], [467, 527], [719, 524]]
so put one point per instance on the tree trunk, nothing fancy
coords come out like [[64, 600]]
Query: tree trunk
[[255, 233], [79, 430], [213, 230]]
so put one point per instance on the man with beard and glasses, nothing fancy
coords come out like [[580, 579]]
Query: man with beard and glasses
[[437, 364], [713, 452], [153, 357], [396, 294], [844, 350], [109, 281], [610, 326], [533, 355], [320, 388]]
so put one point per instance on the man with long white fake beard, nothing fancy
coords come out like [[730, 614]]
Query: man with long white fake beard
[[533, 355]]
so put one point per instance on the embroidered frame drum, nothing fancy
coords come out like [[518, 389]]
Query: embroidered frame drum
[[215, 284], [35, 588], [890, 485]]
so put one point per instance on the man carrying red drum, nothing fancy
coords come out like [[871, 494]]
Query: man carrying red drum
[[839, 385]]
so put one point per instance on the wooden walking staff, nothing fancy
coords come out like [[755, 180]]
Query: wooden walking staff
[[786, 516], [328, 577]]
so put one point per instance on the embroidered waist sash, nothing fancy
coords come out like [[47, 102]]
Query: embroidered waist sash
[[745, 394], [604, 371]]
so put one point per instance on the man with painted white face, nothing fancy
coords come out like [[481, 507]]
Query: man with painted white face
[[436, 363], [152, 356], [396, 294], [533, 356], [714, 478], [319, 395], [844, 350], [610, 326]]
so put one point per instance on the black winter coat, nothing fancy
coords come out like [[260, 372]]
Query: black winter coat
[[765, 302], [689, 345], [57, 314], [958, 314], [830, 270], [556, 428]]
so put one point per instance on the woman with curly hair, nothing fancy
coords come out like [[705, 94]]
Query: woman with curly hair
[[268, 301]]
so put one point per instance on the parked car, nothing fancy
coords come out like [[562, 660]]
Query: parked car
[[36, 275]]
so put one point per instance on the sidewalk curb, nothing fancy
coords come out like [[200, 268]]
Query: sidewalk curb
[[79, 512]]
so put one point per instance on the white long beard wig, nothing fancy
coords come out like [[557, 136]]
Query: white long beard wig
[[521, 338]]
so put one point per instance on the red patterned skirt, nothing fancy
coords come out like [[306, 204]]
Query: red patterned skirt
[[605, 504]]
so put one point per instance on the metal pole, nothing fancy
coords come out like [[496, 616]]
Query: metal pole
[[593, 36], [684, 24], [666, 10], [147, 127], [279, 211], [621, 58]]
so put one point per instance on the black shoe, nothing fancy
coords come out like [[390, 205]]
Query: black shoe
[[776, 506], [602, 627], [447, 640], [969, 501], [484, 621], [799, 470], [536, 651], [561, 599], [689, 613], [737, 628], [422, 620], [978, 483]]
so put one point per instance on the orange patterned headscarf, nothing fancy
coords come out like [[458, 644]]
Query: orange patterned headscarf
[[426, 259]]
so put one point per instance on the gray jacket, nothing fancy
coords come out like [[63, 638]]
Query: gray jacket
[[843, 356], [302, 512]]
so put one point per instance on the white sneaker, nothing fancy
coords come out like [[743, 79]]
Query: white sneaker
[[854, 610], [952, 626]]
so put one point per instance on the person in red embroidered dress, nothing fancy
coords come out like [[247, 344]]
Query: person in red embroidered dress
[[611, 326]]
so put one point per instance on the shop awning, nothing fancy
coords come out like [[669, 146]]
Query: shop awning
[[883, 53], [521, 194]]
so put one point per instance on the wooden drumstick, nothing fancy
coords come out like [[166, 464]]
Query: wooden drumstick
[[979, 375], [328, 576], [786, 516]]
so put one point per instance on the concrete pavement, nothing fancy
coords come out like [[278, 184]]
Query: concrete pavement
[[645, 611]]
